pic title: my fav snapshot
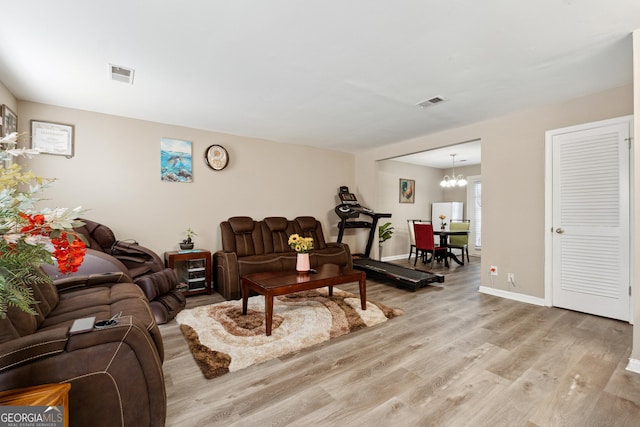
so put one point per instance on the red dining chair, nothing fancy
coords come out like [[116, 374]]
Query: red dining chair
[[425, 243], [412, 235]]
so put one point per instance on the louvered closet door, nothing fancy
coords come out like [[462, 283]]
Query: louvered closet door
[[591, 221]]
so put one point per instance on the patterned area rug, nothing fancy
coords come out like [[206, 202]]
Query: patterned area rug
[[222, 340]]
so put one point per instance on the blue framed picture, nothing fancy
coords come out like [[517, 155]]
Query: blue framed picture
[[176, 160]]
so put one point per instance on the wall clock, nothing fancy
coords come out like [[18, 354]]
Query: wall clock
[[216, 157]]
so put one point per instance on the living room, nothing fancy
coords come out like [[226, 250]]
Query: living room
[[115, 174], [126, 166]]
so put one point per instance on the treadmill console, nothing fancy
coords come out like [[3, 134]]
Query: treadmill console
[[349, 209], [348, 198]]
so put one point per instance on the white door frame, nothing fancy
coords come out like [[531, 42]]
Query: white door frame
[[548, 220]]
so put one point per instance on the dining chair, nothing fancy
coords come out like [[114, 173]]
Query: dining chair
[[412, 235], [461, 241], [425, 244]]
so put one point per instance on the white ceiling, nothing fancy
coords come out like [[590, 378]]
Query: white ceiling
[[344, 75], [466, 154]]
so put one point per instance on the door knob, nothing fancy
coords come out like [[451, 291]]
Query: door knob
[[559, 230]]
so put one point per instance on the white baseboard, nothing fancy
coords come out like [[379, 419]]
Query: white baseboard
[[394, 257], [512, 295], [634, 366]]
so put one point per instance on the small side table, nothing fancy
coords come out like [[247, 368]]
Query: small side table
[[193, 268]]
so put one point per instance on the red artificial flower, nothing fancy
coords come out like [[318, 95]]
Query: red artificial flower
[[35, 226], [69, 255]]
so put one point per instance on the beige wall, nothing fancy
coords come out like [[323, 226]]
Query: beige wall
[[513, 177], [115, 173]]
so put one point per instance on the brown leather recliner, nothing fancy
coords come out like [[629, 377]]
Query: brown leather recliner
[[138, 259], [144, 266], [115, 373], [250, 246]]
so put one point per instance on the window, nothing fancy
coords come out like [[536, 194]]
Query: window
[[474, 212], [477, 212]]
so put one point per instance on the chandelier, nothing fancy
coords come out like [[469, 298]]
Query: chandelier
[[455, 180]]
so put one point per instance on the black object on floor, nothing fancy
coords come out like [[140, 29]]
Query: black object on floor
[[401, 276]]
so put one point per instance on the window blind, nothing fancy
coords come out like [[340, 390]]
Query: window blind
[[477, 213]]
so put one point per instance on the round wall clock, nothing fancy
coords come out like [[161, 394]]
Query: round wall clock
[[216, 157]]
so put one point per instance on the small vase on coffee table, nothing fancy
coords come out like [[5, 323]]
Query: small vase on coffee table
[[302, 262]]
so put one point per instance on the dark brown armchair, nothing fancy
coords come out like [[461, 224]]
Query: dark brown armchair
[[115, 373], [144, 266], [138, 259]]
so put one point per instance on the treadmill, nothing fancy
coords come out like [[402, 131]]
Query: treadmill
[[349, 212]]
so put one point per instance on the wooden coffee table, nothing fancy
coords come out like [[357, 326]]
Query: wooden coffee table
[[274, 283]]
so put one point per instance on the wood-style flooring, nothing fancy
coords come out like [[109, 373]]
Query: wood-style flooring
[[455, 358]]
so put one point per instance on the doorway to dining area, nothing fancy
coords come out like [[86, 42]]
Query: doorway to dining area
[[427, 169]]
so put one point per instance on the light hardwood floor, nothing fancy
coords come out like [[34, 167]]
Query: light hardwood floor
[[455, 358]]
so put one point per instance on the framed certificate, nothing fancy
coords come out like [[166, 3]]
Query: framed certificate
[[52, 138]]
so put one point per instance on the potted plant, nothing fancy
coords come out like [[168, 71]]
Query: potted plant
[[385, 232], [187, 243], [31, 237]]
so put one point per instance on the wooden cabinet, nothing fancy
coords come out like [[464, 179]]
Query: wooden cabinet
[[193, 269]]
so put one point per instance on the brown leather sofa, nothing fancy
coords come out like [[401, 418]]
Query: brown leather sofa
[[144, 266], [250, 246], [115, 373]]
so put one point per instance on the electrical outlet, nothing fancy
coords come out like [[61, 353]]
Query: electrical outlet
[[493, 270], [511, 278]]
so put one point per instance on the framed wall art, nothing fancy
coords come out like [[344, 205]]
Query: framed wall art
[[176, 163], [9, 121], [52, 138], [407, 190]]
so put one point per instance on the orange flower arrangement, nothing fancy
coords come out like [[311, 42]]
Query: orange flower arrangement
[[69, 249]]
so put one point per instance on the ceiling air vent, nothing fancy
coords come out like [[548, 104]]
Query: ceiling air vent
[[431, 101], [121, 74]]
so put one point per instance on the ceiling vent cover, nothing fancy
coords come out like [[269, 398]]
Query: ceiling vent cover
[[121, 74], [431, 101]]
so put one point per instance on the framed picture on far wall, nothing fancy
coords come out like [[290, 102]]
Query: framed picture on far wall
[[9, 121], [407, 190]]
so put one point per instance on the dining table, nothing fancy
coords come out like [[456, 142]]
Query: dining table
[[444, 241]]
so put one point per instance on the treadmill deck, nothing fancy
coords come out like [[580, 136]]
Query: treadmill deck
[[401, 276]]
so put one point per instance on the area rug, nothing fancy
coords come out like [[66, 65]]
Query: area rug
[[222, 340]]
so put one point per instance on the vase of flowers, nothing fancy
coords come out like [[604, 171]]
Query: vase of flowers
[[31, 237], [443, 224], [302, 245]]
